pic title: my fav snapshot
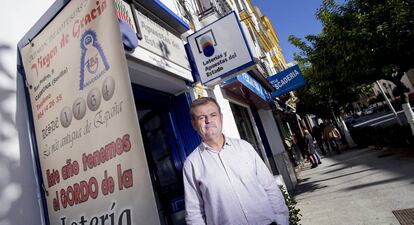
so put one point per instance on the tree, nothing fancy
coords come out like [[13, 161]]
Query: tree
[[362, 41], [323, 94]]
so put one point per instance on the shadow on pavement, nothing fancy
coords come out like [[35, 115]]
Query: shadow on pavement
[[376, 161], [308, 187], [373, 183], [344, 175]]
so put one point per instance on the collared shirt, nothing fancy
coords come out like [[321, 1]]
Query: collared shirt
[[231, 187]]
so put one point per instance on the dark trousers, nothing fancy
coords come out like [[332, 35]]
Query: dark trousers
[[334, 145]]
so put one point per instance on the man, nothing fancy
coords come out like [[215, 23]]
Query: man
[[332, 135], [225, 181]]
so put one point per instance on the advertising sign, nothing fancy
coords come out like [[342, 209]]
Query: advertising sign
[[89, 145], [252, 84], [161, 42], [219, 50], [124, 12], [287, 80]]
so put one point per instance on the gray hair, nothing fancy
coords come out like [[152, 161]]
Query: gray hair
[[202, 101]]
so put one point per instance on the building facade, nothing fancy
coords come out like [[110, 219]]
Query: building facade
[[163, 86]]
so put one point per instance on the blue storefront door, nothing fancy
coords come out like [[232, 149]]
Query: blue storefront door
[[164, 151]]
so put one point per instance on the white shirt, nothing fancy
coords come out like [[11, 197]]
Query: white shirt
[[231, 187]]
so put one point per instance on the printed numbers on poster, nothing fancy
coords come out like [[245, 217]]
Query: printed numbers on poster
[[94, 99], [79, 108], [108, 88], [66, 116]]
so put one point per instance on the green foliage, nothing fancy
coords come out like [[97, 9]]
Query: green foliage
[[294, 213], [362, 41]]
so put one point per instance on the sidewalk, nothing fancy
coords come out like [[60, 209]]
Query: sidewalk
[[357, 187]]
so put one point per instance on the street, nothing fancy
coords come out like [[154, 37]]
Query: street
[[357, 187], [379, 119]]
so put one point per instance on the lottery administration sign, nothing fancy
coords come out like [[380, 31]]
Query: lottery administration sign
[[219, 50], [90, 151]]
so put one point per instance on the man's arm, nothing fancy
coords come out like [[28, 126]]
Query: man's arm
[[194, 205], [276, 198]]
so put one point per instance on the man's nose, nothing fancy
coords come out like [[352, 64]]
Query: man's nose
[[207, 120]]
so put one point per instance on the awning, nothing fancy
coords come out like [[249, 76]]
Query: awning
[[246, 89], [165, 14]]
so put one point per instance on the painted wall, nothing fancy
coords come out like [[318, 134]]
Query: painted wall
[[283, 163], [229, 124], [18, 194]]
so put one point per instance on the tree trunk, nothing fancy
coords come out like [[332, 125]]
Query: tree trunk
[[344, 129], [405, 103]]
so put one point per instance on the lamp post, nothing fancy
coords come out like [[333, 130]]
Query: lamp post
[[386, 88], [390, 87], [388, 102]]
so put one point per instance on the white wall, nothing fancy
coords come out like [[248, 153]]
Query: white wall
[[229, 124], [274, 138], [407, 83], [18, 194]]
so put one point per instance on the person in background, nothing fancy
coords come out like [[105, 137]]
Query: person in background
[[332, 135], [225, 180], [310, 149], [318, 135]]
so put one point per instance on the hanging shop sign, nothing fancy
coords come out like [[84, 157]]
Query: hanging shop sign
[[161, 48], [220, 50], [124, 13], [86, 130], [126, 19], [287, 80]]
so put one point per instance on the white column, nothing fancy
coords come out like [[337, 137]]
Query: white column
[[346, 133], [280, 155], [229, 124], [409, 114]]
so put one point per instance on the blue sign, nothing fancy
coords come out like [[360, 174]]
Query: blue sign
[[251, 84], [287, 80]]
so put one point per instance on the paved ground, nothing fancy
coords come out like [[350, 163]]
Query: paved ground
[[358, 187]]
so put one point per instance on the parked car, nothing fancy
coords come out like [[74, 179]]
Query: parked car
[[368, 111], [349, 120]]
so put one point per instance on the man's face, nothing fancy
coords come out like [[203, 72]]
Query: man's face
[[207, 121]]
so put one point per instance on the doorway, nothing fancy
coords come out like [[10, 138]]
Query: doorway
[[154, 111], [245, 127]]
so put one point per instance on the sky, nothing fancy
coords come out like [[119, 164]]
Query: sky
[[291, 17]]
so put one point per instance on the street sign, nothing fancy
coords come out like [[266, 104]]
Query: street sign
[[219, 50], [287, 80]]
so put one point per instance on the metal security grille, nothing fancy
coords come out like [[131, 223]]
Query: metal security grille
[[405, 216]]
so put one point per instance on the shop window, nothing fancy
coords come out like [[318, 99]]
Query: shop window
[[204, 6]]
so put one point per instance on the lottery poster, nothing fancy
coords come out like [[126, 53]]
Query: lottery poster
[[89, 145]]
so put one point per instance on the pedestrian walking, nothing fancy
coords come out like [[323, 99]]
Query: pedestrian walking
[[291, 151], [332, 135], [225, 180], [310, 149], [318, 135]]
